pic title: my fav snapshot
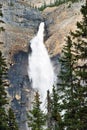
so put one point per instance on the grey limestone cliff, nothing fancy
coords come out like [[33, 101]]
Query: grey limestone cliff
[[21, 23]]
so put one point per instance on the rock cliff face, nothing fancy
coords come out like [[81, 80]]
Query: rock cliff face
[[21, 23], [60, 20]]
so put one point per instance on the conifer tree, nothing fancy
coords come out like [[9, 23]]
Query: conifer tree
[[73, 77], [12, 124], [80, 47], [49, 108], [66, 86], [55, 109], [3, 95], [54, 120], [4, 114], [36, 117], [3, 69]]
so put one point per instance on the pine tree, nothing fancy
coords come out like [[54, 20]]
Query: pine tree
[[3, 95], [54, 120], [4, 114], [36, 117], [66, 86], [3, 69], [12, 124], [49, 116], [55, 110], [80, 47], [73, 77]]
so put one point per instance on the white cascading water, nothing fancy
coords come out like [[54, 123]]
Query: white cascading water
[[40, 69]]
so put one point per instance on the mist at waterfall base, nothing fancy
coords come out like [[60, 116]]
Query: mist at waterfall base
[[40, 69]]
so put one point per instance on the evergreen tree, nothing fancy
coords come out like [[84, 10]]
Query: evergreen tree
[[3, 69], [12, 124], [80, 47], [66, 86], [54, 120], [4, 114], [36, 117], [73, 77], [55, 108], [49, 117], [3, 95]]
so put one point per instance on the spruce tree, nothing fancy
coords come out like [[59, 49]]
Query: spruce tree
[[80, 47], [66, 86], [4, 114], [55, 110], [3, 95], [12, 124], [36, 117], [49, 110], [73, 77], [54, 120]]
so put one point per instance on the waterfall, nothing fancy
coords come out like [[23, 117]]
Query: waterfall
[[40, 69]]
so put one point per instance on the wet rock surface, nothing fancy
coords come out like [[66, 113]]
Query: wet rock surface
[[21, 23]]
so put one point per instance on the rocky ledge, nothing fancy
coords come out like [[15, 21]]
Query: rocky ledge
[[21, 23]]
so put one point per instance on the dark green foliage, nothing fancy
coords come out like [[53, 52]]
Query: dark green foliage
[[49, 114], [55, 109], [12, 120], [56, 3], [6, 118], [36, 118], [3, 95], [54, 120], [82, 25], [73, 77], [3, 69], [80, 45], [2, 29], [1, 14], [1, 21], [3, 119], [66, 87], [42, 7]]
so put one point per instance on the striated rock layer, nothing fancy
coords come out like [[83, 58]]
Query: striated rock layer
[[59, 21], [21, 23]]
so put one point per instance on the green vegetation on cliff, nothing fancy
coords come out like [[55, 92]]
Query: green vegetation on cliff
[[36, 117], [56, 3], [7, 120]]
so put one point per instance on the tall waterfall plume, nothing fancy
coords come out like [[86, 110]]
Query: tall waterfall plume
[[40, 69]]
